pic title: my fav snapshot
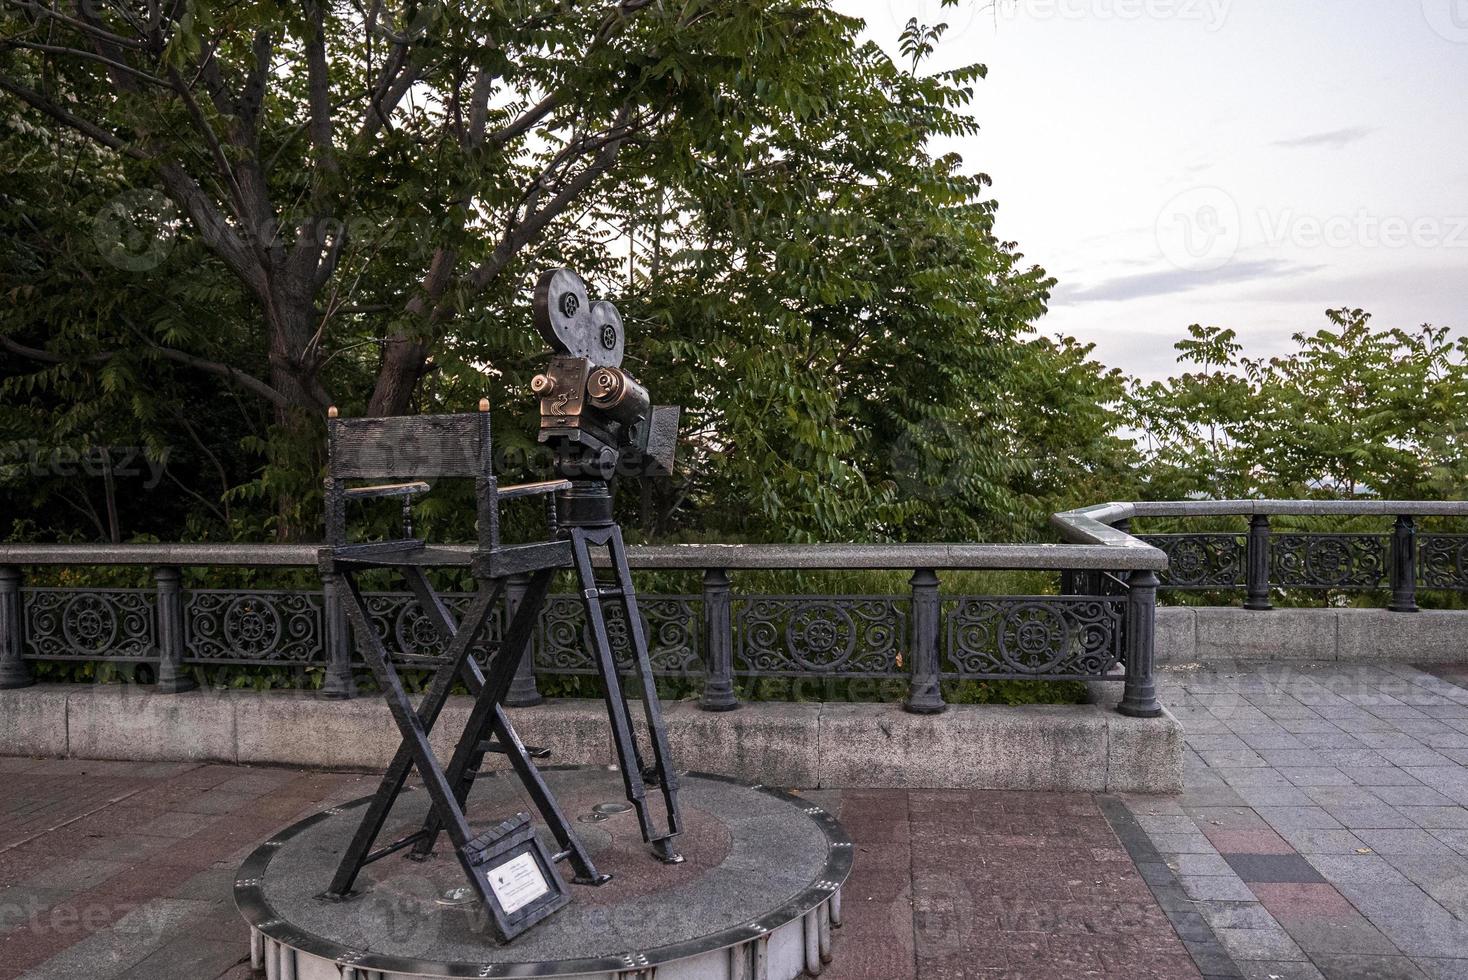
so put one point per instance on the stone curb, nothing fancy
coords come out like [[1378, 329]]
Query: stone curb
[[1086, 748], [1211, 634]]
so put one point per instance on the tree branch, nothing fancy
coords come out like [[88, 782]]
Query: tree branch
[[89, 129], [248, 382]]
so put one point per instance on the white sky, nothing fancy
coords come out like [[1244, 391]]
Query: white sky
[[1242, 163]]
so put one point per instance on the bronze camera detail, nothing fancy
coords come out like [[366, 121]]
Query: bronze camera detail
[[594, 415]]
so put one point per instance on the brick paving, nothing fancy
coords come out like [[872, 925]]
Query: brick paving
[[1323, 831], [124, 870]]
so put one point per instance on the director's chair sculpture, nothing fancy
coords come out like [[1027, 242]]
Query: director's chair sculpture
[[594, 416]]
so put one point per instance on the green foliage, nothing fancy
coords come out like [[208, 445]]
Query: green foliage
[[1353, 411]]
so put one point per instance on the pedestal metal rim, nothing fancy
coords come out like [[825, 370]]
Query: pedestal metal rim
[[250, 899]]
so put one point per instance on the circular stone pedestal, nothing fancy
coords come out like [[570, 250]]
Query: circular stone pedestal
[[755, 898]]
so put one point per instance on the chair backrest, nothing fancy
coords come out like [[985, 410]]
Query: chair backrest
[[409, 447]]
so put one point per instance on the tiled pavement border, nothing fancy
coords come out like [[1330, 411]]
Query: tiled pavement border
[[1196, 932], [1322, 832]]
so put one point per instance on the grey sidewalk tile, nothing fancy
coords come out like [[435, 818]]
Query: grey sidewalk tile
[[1379, 817], [1280, 970], [1456, 839], [1235, 915], [1423, 758], [1414, 795], [1260, 944], [1329, 796], [1273, 868], [1359, 870], [1257, 796], [1198, 864], [1193, 843], [1315, 776], [1356, 967], [1443, 969], [1402, 842], [1316, 841], [1298, 817], [1216, 888], [1438, 817], [1252, 777], [1239, 759]]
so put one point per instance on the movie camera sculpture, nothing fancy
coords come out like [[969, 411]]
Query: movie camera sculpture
[[596, 420]]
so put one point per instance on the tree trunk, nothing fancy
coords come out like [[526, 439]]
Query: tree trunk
[[403, 362]]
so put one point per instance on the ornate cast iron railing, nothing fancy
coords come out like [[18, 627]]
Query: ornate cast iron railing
[[1100, 629], [1100, 626], [1261, 559]]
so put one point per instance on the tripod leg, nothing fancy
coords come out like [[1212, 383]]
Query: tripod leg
[[628, 756], [666, 775], [397, 772]]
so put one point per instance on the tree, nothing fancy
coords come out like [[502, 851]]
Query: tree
[[1353, 411], [753, 187]]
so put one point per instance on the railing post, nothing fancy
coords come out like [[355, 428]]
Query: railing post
[[523, 692], [171, 676], [1256, 561], [338, 684], [1404, 565], [718, 643], [13, 669], [1139, 698], [924, 696]]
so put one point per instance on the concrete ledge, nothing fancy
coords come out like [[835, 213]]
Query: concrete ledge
[[1035, 747], [1211, 634]]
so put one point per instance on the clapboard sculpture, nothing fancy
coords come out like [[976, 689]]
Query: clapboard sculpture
[[597, 421]]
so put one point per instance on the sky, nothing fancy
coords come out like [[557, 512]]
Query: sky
[[1239, 163]]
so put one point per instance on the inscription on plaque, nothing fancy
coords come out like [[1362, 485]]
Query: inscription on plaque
[[517, 883]]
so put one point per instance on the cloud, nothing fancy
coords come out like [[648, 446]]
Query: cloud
[[1335, 139], [1178, 281]]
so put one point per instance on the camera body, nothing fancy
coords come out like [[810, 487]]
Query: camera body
[[594, 415]]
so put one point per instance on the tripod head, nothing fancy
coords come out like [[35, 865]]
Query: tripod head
[[595, 417]]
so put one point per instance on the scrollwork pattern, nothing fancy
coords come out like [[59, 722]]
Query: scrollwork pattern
[[844, 635], [1212, 560], [88, 624], [1033, 636], [1328, 561], [1442, 561]]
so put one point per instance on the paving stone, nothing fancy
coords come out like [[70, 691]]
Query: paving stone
[[1259, 944], [1316, 776], [1264, 841], [1272, 868], [1215, 887], [1443, 969], [1280, 970], [1402, 841], [1199, 864], [1415, 794], [1298, 817], [1379, 817], [1357, 967], [1257, 796]]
